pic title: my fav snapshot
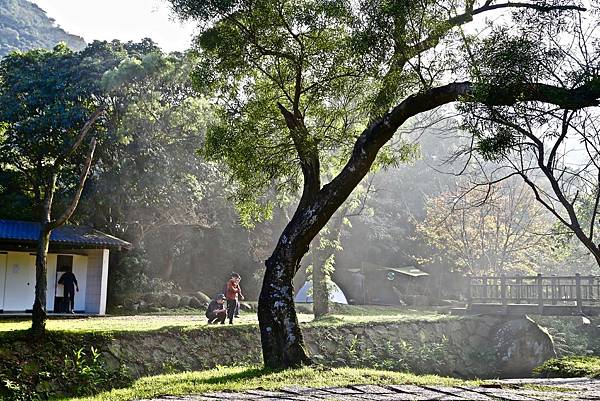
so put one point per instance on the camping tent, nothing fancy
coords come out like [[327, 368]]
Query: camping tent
[[305, 294]]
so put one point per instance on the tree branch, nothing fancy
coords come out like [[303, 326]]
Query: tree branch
[[595, 210], [75, 201], [308, 153], [80, 137], [331, 196], [563, 134]]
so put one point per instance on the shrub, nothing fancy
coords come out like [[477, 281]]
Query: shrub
[[45, 371], [572, 366]]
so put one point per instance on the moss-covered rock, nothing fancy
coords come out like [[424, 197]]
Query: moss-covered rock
[[196, 303], [202, 297]]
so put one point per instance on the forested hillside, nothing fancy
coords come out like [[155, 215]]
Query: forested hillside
[[25, 26]]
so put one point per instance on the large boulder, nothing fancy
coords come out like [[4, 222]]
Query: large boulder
[[185, 301], [521, 345], [196, 303], [202, 297], [152, 298], [165, 299], [173, 301]]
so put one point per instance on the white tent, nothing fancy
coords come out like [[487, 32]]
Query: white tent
[[304, 295]]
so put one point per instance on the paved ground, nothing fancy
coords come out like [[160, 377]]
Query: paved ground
[[508, 390]]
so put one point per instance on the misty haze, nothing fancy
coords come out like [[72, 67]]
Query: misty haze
[[317, 200]]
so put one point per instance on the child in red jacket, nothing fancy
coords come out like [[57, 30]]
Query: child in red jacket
[[233, 295]]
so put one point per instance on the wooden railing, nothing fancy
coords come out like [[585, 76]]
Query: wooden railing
[[574, 291]]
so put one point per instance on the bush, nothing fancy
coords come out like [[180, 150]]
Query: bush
[[38, 373], [572, 366]]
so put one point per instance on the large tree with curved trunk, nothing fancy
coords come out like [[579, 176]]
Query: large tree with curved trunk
[[303, 87]]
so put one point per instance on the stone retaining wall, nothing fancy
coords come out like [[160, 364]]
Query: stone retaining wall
[[466, 347]]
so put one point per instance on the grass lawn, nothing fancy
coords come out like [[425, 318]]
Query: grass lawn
[[147, 322], [246, 378]]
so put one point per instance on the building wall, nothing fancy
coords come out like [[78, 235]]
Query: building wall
[[19, 287], [3, 257], [97, 281], [17, 278]]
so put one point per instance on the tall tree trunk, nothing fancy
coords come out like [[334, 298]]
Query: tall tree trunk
[[166, 270], [38, 318], [281, 338], [321, 257], [319, 279], [38, 326]]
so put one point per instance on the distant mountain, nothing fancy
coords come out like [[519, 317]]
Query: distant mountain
[[25, 26]]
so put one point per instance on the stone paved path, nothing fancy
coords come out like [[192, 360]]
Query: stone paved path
[[505, 390]]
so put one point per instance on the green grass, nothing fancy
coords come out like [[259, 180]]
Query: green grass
[[245, 378], [351, 314], [571, 366], [119, 323], [147, 322]]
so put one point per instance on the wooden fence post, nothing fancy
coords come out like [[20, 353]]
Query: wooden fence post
[[503, 289], [540, 294], [553, 284], [484, 294], [578, 292], [469, 289]]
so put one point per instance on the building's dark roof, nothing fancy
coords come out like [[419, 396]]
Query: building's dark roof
[[14, 231]]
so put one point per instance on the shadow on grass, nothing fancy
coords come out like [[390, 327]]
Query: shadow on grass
[[248, 374]]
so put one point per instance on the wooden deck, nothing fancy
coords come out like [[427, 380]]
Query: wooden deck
[[533, 295]]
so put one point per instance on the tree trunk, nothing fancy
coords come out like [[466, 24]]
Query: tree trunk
[[38, 326], [281, 338], [166, 270], [321, 257], [319, 279]]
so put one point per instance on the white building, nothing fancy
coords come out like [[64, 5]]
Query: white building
[[82, 250]]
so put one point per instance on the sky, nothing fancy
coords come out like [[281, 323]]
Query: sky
[[120, 19]]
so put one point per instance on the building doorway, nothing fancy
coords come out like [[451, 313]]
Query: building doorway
[[64, 263]]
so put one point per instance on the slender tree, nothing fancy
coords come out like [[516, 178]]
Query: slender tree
[[296, 82], [51, 109]]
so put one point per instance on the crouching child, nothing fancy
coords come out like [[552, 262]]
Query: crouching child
[[216, 312]]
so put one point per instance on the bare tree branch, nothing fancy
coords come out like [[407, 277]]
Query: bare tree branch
[[75, 201]]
